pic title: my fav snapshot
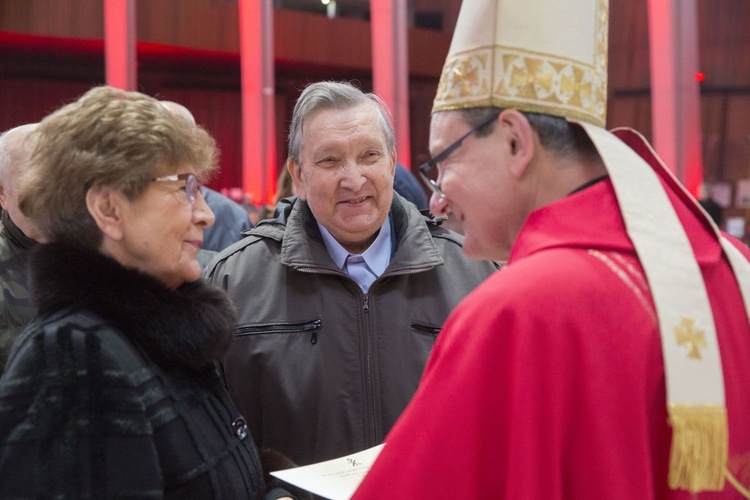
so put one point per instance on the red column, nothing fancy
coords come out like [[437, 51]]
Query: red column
[[258, 115], [119, 43], [390, 66], [675, 94]]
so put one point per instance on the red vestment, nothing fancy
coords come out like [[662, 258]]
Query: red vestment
[[547, 382]]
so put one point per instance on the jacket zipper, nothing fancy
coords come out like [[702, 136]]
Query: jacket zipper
[[368, 345], [368, 373]]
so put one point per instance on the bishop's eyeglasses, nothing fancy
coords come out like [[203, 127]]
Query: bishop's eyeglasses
[[428, 171]]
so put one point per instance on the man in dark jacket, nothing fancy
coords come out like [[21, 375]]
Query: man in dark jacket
[[17, 236], [341, 296]]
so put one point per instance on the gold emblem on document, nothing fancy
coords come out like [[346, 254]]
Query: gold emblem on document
[[686, 333]]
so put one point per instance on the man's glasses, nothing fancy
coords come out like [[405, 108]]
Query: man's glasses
[[428, 170], [191, 184]]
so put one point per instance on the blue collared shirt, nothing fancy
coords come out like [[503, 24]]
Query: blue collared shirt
[[377, 256]]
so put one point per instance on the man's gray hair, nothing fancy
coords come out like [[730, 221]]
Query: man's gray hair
[[339, 96]]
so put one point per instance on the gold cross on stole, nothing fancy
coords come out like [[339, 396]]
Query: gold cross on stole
[[687, 334]]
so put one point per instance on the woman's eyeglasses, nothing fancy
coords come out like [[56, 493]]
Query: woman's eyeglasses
[[191, 184], [428, 170]]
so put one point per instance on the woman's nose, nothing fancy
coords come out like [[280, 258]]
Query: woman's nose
[[202, 213]]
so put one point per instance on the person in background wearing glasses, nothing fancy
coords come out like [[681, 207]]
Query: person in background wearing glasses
[[341, 296], [609, 357], [113, 389]]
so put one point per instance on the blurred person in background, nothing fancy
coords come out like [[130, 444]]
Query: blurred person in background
[[712, 208], [230, 218], [18, 235], [405, 184]]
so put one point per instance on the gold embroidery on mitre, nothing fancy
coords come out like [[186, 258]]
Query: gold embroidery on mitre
[[464, 77], [570, 85], [527, 81], [512, 77], [686, 333], [467, 76]]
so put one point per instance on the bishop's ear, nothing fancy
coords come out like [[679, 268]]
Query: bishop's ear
[[519, 138], [106, 208]]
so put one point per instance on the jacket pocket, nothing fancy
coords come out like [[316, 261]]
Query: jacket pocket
[[427, 330], [282, 328]]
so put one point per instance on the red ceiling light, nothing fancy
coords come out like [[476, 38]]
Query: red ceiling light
[[700, 76]]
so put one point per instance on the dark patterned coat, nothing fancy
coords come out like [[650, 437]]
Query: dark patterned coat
[[16, 309], [112, 391]]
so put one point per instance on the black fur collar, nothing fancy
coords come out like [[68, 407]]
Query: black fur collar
[[184, 328]]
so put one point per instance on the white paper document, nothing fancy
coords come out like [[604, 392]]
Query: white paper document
[[336, 479]]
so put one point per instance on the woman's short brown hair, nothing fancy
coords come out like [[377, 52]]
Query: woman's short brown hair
[[108, 137]]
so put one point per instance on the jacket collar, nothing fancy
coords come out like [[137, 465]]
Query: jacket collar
[[14, 234], [189, 327], [303, 247]]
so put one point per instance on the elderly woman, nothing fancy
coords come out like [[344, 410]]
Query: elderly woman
[[113, 390]]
